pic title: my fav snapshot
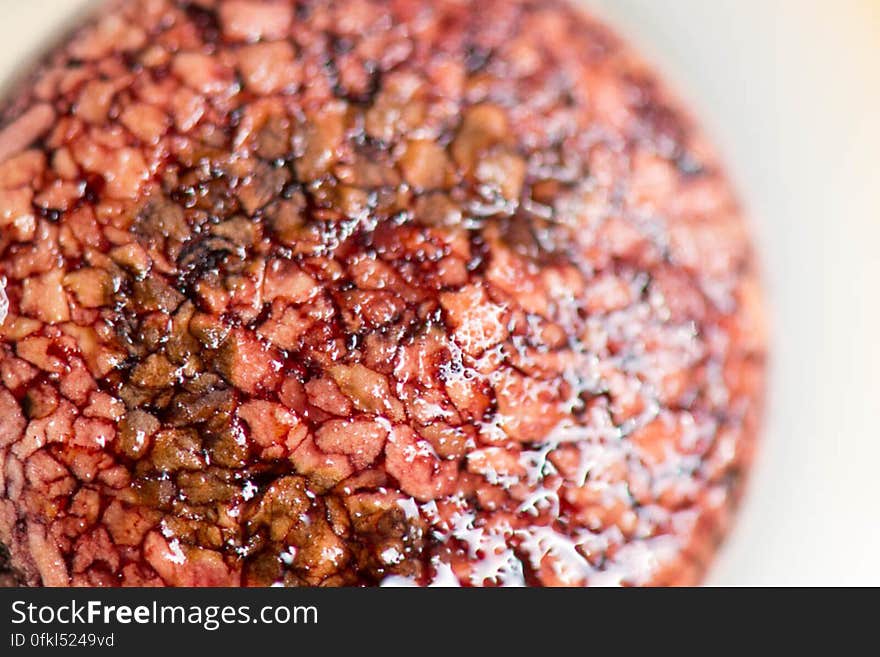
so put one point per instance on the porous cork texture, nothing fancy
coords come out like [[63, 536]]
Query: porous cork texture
[[357, 293]]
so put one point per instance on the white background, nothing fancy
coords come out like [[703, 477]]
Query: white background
[[790, 89]]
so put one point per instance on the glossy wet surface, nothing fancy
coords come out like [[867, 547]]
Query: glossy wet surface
[[366, 292]]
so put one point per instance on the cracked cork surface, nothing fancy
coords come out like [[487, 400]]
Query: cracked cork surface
[[360, 293]]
